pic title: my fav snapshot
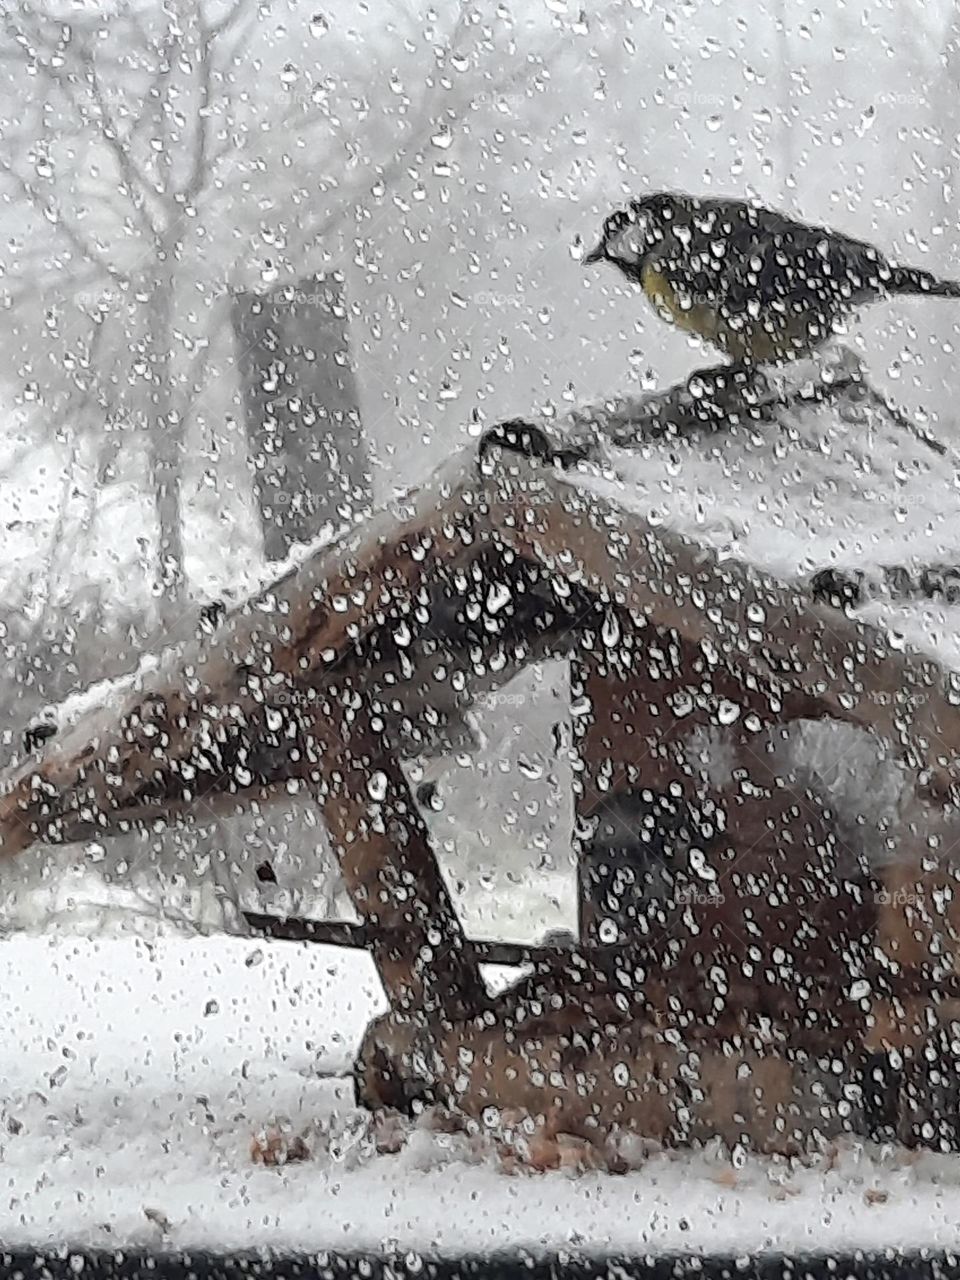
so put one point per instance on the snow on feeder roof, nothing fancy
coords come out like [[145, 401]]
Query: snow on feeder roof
[[681, 533]]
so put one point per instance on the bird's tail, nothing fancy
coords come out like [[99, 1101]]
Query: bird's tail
[[913, 280]]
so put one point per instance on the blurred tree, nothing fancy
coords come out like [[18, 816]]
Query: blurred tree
[[156, 158], [115, 147], [155, 151], [311, 463]]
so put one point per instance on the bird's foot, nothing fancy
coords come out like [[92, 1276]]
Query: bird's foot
[[730, 393], [838, 588]]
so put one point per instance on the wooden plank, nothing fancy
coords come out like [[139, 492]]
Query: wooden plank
[[427, 967], [337, 933], [937, 992]]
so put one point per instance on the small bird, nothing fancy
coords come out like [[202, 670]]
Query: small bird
[[758, 285]]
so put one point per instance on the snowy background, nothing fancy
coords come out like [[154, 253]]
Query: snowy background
[[448, 164]]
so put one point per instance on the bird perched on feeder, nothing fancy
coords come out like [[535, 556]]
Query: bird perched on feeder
[[762, 287]]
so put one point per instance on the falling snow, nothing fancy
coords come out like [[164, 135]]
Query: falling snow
[[479, 492]]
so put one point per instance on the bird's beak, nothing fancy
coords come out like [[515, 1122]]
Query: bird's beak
[[595, 255]]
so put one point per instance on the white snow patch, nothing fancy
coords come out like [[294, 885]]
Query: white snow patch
[[134, 1076], [807, 493]]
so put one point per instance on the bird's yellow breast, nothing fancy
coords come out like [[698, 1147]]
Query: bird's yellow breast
[[772, 335], [686, 314]]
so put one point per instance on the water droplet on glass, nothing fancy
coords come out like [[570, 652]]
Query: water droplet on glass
[[377, 786], [497, 597], [699, 865], [728, 713], [611, 631], [608, 932]]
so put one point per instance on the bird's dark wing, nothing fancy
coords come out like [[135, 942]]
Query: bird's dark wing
[[776, 265]]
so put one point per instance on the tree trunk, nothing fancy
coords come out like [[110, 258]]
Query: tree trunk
[[166, 446], [310, 459]]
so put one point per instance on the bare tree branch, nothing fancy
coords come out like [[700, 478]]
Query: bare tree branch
[[201, 143], [133, 179], [137, 187], [154, 91], [195, 380], [213, 31], [51, 214], [111, 202], [417, 133], [242, 41]]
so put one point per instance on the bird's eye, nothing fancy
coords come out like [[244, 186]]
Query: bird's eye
[[627, 244]]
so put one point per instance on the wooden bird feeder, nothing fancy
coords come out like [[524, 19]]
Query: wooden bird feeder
[[711, 1015]]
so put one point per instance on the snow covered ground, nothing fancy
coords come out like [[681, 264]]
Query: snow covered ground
[[133, 1077]]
